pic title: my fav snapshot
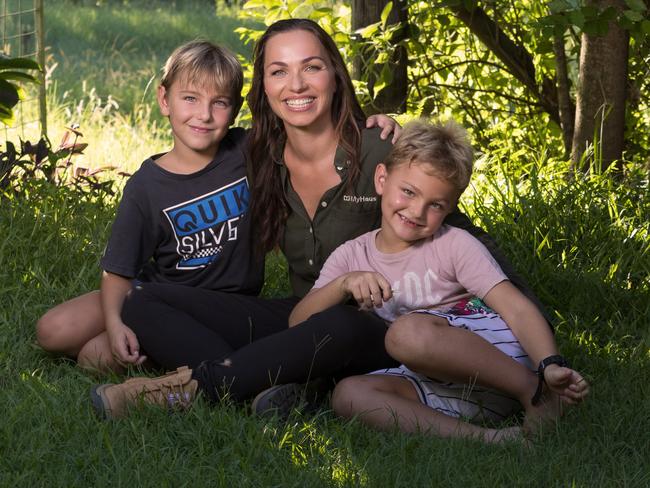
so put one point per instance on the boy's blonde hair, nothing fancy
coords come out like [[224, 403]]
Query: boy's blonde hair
[[442, 146], [203, 63]]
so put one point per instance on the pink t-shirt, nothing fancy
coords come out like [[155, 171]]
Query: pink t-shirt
[[435, 273]]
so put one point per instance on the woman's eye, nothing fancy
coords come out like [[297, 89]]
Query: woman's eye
[[312, 67], [277, 72], [407, 192]]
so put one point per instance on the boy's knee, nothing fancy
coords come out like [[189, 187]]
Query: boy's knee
[[344, 396], [48, 331], [411, 335]]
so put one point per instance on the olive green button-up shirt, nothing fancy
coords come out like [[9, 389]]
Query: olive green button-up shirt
[[343, 213]]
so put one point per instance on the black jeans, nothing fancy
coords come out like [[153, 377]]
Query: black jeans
[[241, 344]]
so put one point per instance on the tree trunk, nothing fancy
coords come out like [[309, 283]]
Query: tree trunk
[[602, 82], [567, 110], [393, 97]]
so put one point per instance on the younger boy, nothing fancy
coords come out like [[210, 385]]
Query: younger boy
[[183, 217], [463, 357]]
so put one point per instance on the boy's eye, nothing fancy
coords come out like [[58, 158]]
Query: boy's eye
[[222, 103], [189, 98]]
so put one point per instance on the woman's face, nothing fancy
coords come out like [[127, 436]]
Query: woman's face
[[299, 80]]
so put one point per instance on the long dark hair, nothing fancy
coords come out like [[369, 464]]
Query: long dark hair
[[268, 136]]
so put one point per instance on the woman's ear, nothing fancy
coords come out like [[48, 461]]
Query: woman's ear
[[161, 95], [380, 178]]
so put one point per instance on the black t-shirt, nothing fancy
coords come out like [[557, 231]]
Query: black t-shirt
[[191, 229]]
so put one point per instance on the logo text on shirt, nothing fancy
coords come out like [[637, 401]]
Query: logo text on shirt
[[359, 198]]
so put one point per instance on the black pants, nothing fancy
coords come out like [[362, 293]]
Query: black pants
[[241, 344]]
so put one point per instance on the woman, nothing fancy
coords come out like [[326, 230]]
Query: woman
[[312, 166]]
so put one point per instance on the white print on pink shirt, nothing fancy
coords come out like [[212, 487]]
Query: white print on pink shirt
[[417, 292]]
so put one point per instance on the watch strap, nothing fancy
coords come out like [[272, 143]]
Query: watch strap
[[554, 359]]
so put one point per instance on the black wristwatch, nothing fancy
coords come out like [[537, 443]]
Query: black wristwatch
[[556, 359]]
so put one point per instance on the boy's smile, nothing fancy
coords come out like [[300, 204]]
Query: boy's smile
[[199, 118], [414, 204]]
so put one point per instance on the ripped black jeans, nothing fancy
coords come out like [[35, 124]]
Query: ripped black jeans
[[240, 344]]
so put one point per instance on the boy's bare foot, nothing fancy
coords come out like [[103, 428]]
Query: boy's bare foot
[[545, 412], [506, 435]]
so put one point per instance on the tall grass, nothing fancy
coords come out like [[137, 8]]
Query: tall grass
[[581, 241]]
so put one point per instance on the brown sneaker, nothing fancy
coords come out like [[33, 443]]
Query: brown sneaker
[[174, 390]]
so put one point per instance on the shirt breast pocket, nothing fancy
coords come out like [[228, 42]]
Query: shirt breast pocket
[[344, 225]]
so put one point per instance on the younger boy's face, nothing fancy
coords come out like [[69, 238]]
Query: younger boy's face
[[199, 117], [414, 204]]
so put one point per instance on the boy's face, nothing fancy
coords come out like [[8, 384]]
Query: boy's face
[[413, 204], [199, 117]]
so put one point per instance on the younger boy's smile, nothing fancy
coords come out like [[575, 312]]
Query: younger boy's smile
[[414, 204]]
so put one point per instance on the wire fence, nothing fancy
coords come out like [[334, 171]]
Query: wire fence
[[22, 34]]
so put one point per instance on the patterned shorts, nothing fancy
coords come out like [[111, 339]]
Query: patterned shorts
[[462, 400]]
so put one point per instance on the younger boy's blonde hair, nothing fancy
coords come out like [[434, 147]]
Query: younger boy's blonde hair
[[443, 146], [203, 63]]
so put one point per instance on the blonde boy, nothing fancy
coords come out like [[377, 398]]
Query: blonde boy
[[463, 357], [183, 217]]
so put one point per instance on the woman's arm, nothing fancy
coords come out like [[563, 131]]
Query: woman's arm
[[367, 287]]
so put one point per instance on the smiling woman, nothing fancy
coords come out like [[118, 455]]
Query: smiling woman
[[299, 82]]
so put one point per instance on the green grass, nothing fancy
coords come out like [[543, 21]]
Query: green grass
[[581, 243]]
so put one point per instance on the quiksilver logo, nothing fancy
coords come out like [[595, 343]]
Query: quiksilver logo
[[359, 199]]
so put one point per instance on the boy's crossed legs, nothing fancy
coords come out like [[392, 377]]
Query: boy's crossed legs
[[428, 345], [75, 328]]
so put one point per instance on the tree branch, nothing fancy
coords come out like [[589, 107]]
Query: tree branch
[[515, 57]]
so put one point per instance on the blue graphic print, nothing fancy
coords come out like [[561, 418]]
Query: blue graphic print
[[204, 224]]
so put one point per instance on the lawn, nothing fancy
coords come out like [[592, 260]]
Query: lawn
[[582, 243]]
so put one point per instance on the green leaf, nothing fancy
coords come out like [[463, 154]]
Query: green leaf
[[384, 79], [10, 94], [633, 15], [645, 26], [368, 31], [6, 115], [577, 18], [20, 63], [636, 5], [385, 13], [559, 6], [17, 75]]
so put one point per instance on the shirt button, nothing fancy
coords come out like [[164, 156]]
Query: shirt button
[[323, 204], [311, 230], [311, 262]]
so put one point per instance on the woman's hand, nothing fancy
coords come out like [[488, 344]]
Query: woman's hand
[[124, 345], [388, 126], [368, 288]]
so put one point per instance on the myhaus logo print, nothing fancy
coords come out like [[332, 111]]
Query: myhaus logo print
[[203, 224]]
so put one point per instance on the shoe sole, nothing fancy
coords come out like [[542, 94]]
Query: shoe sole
[[278, 400], [99, 403]]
